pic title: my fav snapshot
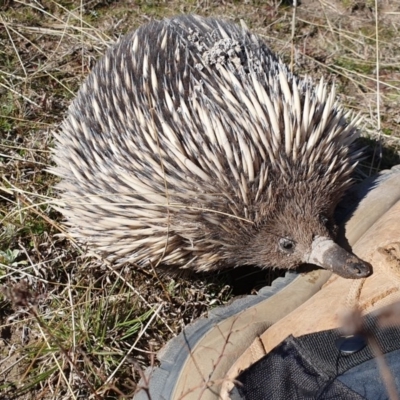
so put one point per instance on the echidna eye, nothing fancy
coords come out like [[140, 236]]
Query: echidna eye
[[287, 245]]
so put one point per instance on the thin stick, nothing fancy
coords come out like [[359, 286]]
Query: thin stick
[[378, 94], [293, 31]]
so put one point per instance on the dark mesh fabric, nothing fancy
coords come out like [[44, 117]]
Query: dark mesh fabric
[[322, 345], [307, 367], [290, 373], [366, 381]]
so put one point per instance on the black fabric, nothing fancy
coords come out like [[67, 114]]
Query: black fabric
[[290, 372], [366, 380], [307, 367], [322, 344]]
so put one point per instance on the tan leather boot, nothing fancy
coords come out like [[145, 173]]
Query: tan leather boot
[[379, 245], [194, 365]]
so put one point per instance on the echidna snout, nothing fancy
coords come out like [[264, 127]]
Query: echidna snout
[[290, 238], [326, 253], [192, 145]]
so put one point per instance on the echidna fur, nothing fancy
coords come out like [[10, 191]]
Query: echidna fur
[[192, 145]]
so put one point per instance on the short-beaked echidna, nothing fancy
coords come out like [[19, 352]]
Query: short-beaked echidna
[[192, 144]]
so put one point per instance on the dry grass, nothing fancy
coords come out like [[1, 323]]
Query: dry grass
[[74, 327]]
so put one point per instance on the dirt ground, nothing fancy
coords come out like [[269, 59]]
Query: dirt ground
[[71, 326]]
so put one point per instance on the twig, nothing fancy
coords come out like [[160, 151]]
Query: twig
[[292, 37], [378, 95]]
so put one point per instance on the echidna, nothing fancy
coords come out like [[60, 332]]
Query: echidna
[[193, 145]]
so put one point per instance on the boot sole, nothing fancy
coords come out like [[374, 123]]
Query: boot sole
[[209, 344]]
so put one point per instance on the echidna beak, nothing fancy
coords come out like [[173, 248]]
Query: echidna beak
[[327, 254]]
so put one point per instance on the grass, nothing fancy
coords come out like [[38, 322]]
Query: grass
[[70, 325]]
